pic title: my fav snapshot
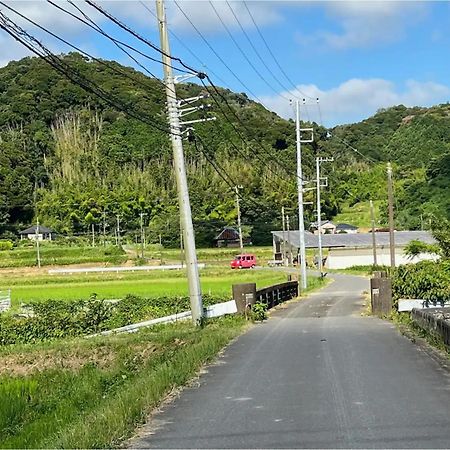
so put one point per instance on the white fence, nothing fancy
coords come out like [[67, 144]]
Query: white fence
[[5, 300]]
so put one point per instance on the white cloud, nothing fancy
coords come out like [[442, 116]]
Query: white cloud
[[357, 99], [366, 23]]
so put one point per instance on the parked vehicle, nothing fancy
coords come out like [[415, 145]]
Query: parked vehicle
[[244, 261]]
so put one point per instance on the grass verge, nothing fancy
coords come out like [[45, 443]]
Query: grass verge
[[93, 393]]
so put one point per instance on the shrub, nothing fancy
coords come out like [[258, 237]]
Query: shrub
[[259, 312], [425, 280], [6, 245]]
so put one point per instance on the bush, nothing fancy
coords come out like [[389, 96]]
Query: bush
[[427, 280], [56, 319], [6, 245], [259, 312]]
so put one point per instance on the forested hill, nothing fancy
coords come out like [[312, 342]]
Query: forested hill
[[77, 161]]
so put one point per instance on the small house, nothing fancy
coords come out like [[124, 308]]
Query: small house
[[346, 228], [229, 237], [326, 227], [37, 232]]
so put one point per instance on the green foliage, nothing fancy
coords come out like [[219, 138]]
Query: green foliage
[[425, 280], [415, 248], [6, 245], [259, 312], [56, 319]]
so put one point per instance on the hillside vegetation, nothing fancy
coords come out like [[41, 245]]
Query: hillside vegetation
[[78, 163]]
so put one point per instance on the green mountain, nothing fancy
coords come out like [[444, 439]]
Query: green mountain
[[78, 161]]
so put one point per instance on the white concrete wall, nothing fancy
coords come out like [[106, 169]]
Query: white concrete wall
[[344, 258]]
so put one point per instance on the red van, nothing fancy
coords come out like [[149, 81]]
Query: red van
[[244, 261]]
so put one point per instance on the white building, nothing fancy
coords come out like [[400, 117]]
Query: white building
[[347, 250]]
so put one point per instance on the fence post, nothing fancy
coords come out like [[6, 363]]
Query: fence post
[[381, 295]]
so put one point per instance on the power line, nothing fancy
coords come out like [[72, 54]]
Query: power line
[[99, 61], [72, 74], [283, 86], [272, 54], [233, 112], [216, 53], [186, 47], [141, 38], [235, 42]]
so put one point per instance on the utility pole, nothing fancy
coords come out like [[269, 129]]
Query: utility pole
[[142, 234], [374, 242], [319, 211], [195, 294], [289, 240], [301, 223], [38, 250], [104, 228], [241, 244], [118, 231], [93, 234], [391, 215], [284, 237]]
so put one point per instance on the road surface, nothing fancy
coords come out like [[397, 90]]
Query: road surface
[[316, 375]]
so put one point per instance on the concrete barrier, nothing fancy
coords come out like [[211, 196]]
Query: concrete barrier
[[436, 322]]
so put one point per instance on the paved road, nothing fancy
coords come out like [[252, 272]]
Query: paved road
[[316, 375]]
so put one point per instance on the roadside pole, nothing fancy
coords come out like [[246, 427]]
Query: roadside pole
[[374, 242], [391, 216], [241, 244], [38, 250], [284, 237], [301, 223], [180, 170], [289, 262]]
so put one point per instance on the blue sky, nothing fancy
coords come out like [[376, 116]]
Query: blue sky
[[356, 56]]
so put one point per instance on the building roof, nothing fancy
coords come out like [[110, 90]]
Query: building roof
[[32, 230], [345, 226], [227, 234], [357, 240], [323, 223]]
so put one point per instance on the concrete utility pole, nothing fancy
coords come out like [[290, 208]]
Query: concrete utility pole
[[319, 210], [142, 234], [104, 228], [118, 231], [283, 249], [391, 215], [374, 242], [301, 223], [93, 234], [241, 243], [38, 250], [289, 240], [195, 294]]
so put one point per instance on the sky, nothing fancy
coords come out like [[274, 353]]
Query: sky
[[354, 56]]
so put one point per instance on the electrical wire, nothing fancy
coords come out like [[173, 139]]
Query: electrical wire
[[125, 27], [216, 53], [235, 42], [28, 41], [99, 61], [272, 54], [186, 47], [258, 54]]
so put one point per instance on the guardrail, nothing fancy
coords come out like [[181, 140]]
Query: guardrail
[[119, 269], [278, 293], [436, 322]]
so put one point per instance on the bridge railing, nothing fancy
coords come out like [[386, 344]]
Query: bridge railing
[[278, 293]]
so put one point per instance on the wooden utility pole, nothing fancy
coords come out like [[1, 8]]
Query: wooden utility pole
[[374, 242], [391, 215]]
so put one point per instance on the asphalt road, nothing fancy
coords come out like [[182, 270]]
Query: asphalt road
[[316, 375]]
